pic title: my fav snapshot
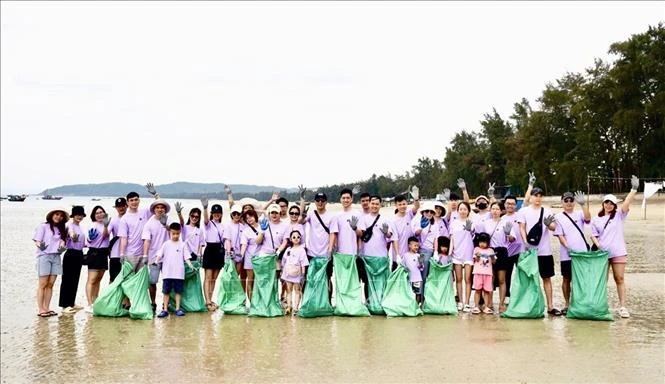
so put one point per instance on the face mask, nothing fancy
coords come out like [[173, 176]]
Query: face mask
[[481, 206]]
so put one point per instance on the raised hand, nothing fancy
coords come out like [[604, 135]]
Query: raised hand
[[490, 190], [42, 246], [354, 222], [532, 179], [106, 220], [468, 225], [415, 193], [461, 183], [93, 234], [227, 189], [356, 190], [204, 202], [507, 228], [305, 210], [178, 207], [446, 193], [263, 223], [301, 191], [634, 183], [548, 220], [151, 188], [275, 196], [385, 229], [163, 219], [424, 222], [579, 198]]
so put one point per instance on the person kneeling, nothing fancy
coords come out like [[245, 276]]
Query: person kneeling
[[173, 256]]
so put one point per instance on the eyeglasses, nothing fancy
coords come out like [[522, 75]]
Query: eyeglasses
[[568, 200], [294, 213]]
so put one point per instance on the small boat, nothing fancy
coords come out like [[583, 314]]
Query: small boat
[[16, 197], [51, 197], [96, 199]]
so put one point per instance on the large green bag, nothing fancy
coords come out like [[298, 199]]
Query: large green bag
[[109, 302], [348, 294], [192, 299], [399, 300], [526, 297], [265, 297], [315, 301], [135, 288], [231, 297], [378, 271], [588, 296], [440, 294]]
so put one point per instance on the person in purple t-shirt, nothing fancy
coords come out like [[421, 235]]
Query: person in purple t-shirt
[[72, 261], [115, 262], [294, 263], [49, 238], [346, 229], [173, 254], [98, 253], [214, 252], [412, 262], [607, 234], [402, 223]]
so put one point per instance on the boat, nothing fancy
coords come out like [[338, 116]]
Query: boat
[[96, 199], [16, 197], [51, 197]]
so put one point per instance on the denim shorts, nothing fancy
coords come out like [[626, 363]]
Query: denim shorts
[[49, 264], [175, 285]]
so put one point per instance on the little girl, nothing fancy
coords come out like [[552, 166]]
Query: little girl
[[412, 262], [294, 262], [442, 256], [483, 258]]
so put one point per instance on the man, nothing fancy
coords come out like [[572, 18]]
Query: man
[[317, 227], [364, 202], [571, 236], [283, 209], [131, 230], [115, 264], [401, 223], [346, 229], [529, 217], [155, 233], [505, 270]]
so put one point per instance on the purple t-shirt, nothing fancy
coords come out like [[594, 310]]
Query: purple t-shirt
[[154, 231], [403, 230], [318, 239], [443, 227], [530, 215], [611, 236], [74, 229], [564, 227], [495, 229], [131, 228], [248, 238], [114, 229], [173, 255], [412, 264], [462, 241], [101, 241], [378, 244], [194, 237], [52, 238], [427, 235], [273, 237], [443, 259], [214, 232], [347, 240], [232, 233], [292, 262], [515, 247]]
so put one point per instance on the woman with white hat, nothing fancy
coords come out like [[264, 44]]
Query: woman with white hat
[[49, 238], [607, 234], [72, 261], [232, 235], [426, 231]]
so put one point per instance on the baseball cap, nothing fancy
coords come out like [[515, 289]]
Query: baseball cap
[[236, 208], [611, 198], [320, 195], [216, 208], [274, 208], [120, 202], [567, 195], [536, 191]]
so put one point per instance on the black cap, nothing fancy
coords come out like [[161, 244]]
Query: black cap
[[321, 195], [536, 191], [567, 195], [216, 208], [120, 202]]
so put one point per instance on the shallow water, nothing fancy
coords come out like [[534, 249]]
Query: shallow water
[[206, 347]]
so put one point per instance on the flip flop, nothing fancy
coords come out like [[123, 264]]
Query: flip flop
[[52, 313], [43, 314]]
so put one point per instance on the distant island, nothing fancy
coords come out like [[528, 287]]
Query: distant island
[[181, 189]]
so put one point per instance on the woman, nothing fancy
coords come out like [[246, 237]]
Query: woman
[[72, 261], [49, 238], [98, 253], [250, 239], [426, 230], [607, 234], [462, 231], [192, 233], [232, 238], [502, 233], [213, 255]]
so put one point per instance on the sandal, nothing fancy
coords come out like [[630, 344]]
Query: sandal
[[43, 314], [564, 311], [52, 313], [488, 311], [554, 312], [475, 311]]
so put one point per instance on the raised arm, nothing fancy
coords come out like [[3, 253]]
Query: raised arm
[[634, 183]]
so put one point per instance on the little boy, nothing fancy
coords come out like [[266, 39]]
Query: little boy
[[173, 255], [412, 262]]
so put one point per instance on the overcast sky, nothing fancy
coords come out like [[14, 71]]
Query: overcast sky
[[273, 93]]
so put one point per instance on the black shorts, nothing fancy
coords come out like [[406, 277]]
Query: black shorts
[[566, 269], [503, 262], [417, 287], [175, 285], [546, 266], [98, 259], [213, 256]]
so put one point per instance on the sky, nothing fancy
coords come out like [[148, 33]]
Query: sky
[[274, 93]]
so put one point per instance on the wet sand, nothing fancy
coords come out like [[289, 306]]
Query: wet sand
[[207, 347]]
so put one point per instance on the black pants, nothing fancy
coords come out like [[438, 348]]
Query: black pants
[[329, 272], [115, 266], [72, 262], [509, 274], [362, 274]]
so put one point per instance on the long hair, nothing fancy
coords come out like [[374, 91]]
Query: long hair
[[61, 225], [602, 211], [198, 223]]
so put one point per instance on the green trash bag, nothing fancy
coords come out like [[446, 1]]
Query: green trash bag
[[109, 302], [315, 301], [398, 299], [265, 296], [135, 288], [588, 296], [526, 297], [378, 271], [231, 297], [348, 293], [192, 299], [440, 295]]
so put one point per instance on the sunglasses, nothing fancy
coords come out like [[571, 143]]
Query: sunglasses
[[568, 200], [274, 213], [295, 237], [235, 213], [294, 213], [195, 216], [319, 200]]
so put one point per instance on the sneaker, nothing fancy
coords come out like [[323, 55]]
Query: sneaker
[[506, 300], [69, 310], [163, 314], [467, 308], [77, 307], [460, 306], [179, 312], [623, 312], [88, 309]]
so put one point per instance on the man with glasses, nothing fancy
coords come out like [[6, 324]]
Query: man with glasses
[[317, 227], [283, 209], [115, 263]]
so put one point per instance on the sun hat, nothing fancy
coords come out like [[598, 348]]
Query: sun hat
[[61, 210], [427, 206], [158, 202], [482, 197]]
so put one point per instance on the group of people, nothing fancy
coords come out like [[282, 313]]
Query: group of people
[[483, 244]]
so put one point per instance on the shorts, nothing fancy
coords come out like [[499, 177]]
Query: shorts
[[137, 262], [49, 264], [566, 270], [213, 256], [503, 261], [483, 282], [175, 285], [619, 260], [416, 287], [154, 270], [462, 262], [98, 259], [546, 266]]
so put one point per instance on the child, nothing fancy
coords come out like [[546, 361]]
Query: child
[[483, 258], [173, 255], [294, 262], [442, 256], [412, 262]]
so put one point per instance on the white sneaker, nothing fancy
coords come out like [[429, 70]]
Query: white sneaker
[[623, 312], [467, 308], [506, 300], [460, 306], [69, 310], [88, 309]]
